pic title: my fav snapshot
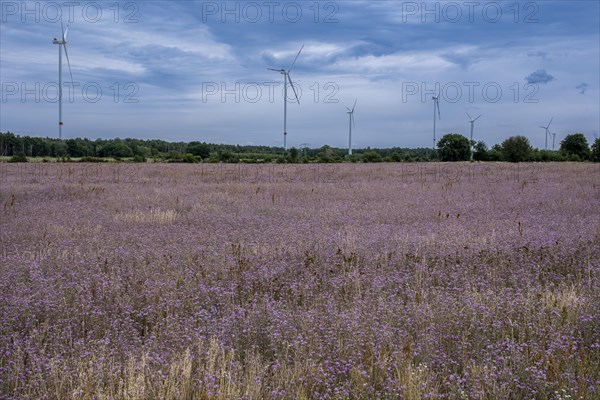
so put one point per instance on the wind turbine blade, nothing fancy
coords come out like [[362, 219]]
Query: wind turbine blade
[[290, 70], [438, 108], [68, 62], [65, 34], [273, 69], [543, 127], [292, 85], [477, 118], [354, 105], [470, 118], [353, 123], [62, 29], [349, 110], [551, 119]]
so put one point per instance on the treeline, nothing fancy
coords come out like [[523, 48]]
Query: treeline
[[451, 147], [12, 145], [574, 147]]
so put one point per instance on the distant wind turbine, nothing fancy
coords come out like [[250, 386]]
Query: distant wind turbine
[[61, 43], [547, 131], [350, 123], [304, 146], [286, 79], [472, 121], [436, 106]]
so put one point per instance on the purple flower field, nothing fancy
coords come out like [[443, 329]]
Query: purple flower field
[[366, 281]]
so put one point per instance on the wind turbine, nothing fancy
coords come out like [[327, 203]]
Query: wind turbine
[[286, 79], [61, 43], [350, 123], [472, 121], [547, 131], [304, 146], [436, 106]]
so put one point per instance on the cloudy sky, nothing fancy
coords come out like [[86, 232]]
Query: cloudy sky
[[197, 70]]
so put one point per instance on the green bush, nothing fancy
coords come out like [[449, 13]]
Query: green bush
[[371, 156], [18, 158], [454, 147], [516, 149], [575, 145], [480, 151], [91, 159], [188, 158], [595, 153]]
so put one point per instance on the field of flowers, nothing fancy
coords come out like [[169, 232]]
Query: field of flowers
[[395, 281]]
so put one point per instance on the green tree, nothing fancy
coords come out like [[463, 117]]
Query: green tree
[[188, 158], [480, 151], [74, 149], [371, 156], [227, 156], [199, 149], [495, 153], [595, 154], [117, 148], [516, 149], [324, 156], [575, 145], [454, 147], [293, 155]]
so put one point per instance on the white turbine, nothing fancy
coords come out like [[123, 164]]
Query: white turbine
[[436, 106], [547, 131], [61, 43], [350, 123], [472, 121], [286, 79]]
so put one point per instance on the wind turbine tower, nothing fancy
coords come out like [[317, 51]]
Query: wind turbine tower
[[286, 79], [350, 123], [61, 43], [547, 128], [472, 121], [436, 109]]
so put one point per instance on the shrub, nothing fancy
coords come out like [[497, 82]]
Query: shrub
[[371, 156], [575, 144], [480, 151], [188, 158], [516, 149], [454, 147], [18, 158], [91, 159], [595, 154]]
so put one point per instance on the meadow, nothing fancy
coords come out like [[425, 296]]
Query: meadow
[[344, 281]]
